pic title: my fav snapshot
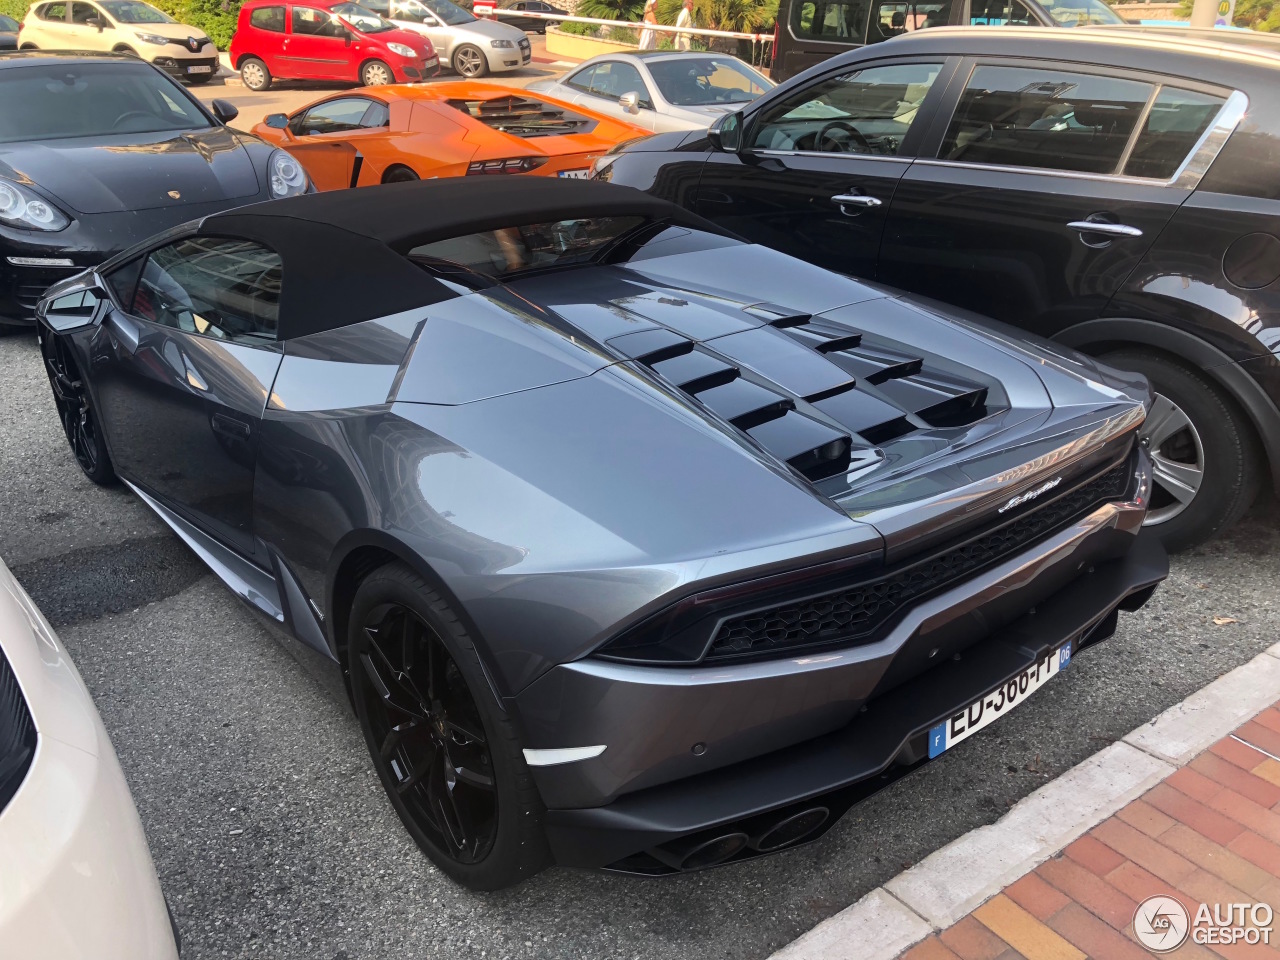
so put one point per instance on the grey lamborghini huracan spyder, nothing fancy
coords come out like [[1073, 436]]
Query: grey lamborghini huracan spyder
[[636, 546]]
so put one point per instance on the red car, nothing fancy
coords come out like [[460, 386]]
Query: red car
[[326, 41]]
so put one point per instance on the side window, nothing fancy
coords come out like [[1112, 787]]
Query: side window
[[381, 7], [82, 13], [865, 112], [315, 23], [615, 78], [268, 18], [53, 11], [1045, 118], [1000, 13], [893, 18], [218, 287], [333, 116], [581, 80], [1175, 124], [830, 19], [123, 280], [379, 115]]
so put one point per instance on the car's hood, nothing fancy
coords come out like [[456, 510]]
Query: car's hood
[[135, 171], [489, 30]]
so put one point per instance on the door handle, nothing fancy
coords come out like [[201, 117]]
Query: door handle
[[858, 200], [230, 427], [1106, 229]]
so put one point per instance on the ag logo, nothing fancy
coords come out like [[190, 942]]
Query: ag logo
[[1161, 924]]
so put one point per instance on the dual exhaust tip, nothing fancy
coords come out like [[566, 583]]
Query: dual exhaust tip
[[715, 850]]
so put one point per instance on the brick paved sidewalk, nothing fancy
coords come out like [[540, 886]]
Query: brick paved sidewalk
[[1209, 833]]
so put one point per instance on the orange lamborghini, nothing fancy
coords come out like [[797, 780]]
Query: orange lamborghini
[[416, 131]]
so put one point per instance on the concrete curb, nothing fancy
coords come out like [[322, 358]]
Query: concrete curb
[[953, 881]]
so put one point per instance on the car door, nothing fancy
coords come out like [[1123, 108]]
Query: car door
[[327, 138], [50, 26], [609, 81], [268, 33], [1035, 206], [83, 31], [184, 363], [819, 167], [318, 46]]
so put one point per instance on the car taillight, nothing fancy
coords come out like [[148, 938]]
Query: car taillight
[[512, 165]]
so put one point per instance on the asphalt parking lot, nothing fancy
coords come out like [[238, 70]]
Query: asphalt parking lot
[[270, 832]]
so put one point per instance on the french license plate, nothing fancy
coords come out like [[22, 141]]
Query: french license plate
[[576, 174], [201, 69], [986, 710], [433, 62]]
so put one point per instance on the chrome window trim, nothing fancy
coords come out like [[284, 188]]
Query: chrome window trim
[[1045, 172], [837, 156]]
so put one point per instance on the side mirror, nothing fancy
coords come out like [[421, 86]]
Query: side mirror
[[726, 133], [276, 121], [225, 110], [630, 102], [96, 22], [71, 311]]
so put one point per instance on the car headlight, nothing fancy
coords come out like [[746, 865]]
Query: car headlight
[[20, 207], [403, 49], [288, 179], [502, 44], [155, 38]]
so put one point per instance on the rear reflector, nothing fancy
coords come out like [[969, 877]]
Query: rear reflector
[[511, 165]]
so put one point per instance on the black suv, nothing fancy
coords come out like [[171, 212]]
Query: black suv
[[1077, 184]]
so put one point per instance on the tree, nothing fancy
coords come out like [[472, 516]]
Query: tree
[[738, 16], [1262, 15]]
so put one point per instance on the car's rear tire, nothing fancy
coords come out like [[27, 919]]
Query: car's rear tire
[[1206, 457], [470, 62], [28, 46], [399, 174], [375, 73], [77, 413], [254, 74], [446, 752]]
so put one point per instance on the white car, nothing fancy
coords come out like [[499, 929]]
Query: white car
[[661, 90], [122, 26], [76, 877], [466, 44]]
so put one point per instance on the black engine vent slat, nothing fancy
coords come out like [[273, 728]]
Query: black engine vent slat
[[652, 346], [848, 342], [785, 360], [968, 407], [889, 430], [17, 734], [813, 448], [860, 412], [696, 371], [877, 365], [745, 404], [860, 613], [939, 401], [830, 392], [780, 317]]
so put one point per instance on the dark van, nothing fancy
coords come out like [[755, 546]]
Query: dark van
[[810, 31]]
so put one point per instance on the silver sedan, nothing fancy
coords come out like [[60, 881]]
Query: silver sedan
[[661, 90]]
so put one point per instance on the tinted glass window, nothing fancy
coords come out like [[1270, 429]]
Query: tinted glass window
[[830, 19], [1033, 117], [510, 250], [866, 112], [82, 13], [69, 99], [381, 7], [52, 11], [345, 113], [1079, 13], [221, 288], [1177, 120], [132, 11], [893, 18], [698, 81], [615, 78], [362, 18], [316, 23], [123, 280], [581, 80], [268, 18], [1000, 13]]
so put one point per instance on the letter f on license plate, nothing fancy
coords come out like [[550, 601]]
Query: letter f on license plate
[[998, 702]]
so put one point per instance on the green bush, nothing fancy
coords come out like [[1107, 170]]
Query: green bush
[[217, 18], [14, 8]]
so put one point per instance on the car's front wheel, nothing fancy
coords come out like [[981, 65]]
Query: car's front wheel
[[254, 74], [470, 62], [375, 73], [447, 754], [78, 415], [1206, 460]]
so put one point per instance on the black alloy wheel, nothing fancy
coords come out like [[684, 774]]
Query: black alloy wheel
[[446, 754], [76, 411]]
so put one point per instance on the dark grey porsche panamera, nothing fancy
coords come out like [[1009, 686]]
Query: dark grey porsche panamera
[[636, 546]]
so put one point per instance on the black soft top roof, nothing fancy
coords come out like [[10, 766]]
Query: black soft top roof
[[343, 252]]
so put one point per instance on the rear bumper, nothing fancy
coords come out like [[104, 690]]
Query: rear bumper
[[652, 831]]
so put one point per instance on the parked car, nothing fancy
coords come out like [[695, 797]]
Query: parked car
[[391, 134], [9, 28], [532, 24], [99, 151], [660, 90], [122, 26], [810, 31], [78, 880], [325, 41], [637, 546], [469, 45], [1076, 184]]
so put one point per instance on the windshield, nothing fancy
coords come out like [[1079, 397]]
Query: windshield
[[703, 81], [510, 250], [8, 24], [132, 11], [1079, 13], [362, 18], [68, 99], [419, 11]]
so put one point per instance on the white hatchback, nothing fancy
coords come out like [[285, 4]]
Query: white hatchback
[[122, 26]]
